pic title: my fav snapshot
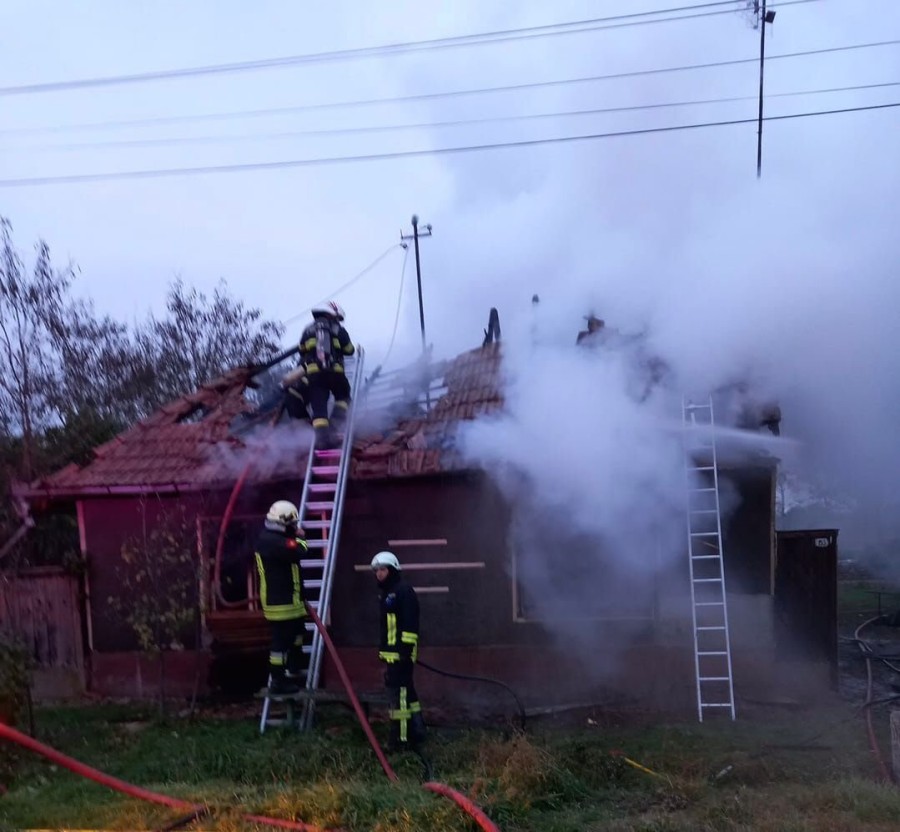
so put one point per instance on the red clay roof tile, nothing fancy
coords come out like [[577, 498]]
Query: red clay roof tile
[[163, 450]]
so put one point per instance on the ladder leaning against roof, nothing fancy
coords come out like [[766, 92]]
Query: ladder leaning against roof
[[709, 607], [321, 509]]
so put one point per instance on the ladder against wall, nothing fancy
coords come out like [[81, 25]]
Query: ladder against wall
[[709, 603]]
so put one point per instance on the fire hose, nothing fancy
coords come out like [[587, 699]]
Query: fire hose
[[12, 735], [483, 821]]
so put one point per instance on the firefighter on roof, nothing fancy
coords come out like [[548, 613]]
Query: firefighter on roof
[[399, 649], [295, 386], [278, 552], [323, 347], [589, 336]]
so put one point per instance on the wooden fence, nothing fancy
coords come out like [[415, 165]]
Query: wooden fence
[[40, 608]]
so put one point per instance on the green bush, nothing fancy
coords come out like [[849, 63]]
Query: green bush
[[14, 668]]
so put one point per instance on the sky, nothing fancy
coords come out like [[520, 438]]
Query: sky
[[789, 278]]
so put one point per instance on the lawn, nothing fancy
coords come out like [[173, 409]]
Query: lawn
[[771, 770]]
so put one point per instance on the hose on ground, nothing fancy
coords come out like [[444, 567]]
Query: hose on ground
[[867, 706], [470, 808], [360, 715], [83, 770], [485, 680]]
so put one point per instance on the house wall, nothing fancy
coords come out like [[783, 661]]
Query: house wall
[[469, 626], [107, 525]]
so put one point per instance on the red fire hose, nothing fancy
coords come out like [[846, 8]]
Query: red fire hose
[[461, 800], [465, 804], [11, 734]]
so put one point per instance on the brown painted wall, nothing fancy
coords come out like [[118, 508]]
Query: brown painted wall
[[464, 510]]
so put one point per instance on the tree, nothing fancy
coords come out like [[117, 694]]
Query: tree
[[99, 368], [27, 302], [200, 338], [158, 578]]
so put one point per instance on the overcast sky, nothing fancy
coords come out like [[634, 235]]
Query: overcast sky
[[568, 220], [791, 279]]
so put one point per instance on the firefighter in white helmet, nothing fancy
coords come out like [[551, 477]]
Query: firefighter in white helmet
[[399, 649], [324, 345], [279, 548]]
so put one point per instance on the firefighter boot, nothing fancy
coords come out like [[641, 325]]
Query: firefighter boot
[[417, 730], [280, 685], [324, 438], [339, 420]]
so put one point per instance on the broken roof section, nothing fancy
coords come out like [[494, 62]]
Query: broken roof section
[[191, 443], [424, 418]]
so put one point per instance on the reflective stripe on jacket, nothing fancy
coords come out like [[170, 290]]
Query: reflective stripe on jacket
[[280, 579]]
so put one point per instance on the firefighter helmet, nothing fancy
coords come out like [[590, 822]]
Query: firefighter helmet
[[331, 309], [385, 559], [284, 513]]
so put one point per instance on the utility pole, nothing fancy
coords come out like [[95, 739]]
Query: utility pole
[[762, 17], [415, 237]]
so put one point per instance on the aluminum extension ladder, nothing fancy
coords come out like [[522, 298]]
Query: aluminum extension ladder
[[321, 508], [709, 605]]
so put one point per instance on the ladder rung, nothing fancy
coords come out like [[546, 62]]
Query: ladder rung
[[704, 468], [319, 507], [710, 628], [318, 544], [312, 563], [704, 534], [331, 453], [715, 678], [705, 557], [316, 524], [322, 487], [707, 580], [710, 604], [712, 653], [702, 490], [704, 511], [326, 470], [715, 704], [313, 583]]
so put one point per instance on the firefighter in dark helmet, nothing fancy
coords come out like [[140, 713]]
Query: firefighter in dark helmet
[[399, 649], [279, 549], [324, 345]]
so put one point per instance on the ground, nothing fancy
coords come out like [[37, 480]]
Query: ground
[[785, 768]]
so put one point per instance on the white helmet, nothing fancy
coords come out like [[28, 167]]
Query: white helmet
[[331, 309], [384, 559], [283, 513]]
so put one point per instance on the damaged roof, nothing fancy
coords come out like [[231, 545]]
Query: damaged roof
[[190, 444], [423, 439]]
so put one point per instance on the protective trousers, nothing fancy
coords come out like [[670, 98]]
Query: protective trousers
[[407, 722], [322, 384], [286, 654]]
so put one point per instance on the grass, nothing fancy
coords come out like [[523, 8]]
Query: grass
[[558, 777]]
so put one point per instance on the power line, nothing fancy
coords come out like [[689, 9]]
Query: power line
[[408, 154], [348, 284], [335, 105], [478, 39], [390, 348], [386, 128]]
